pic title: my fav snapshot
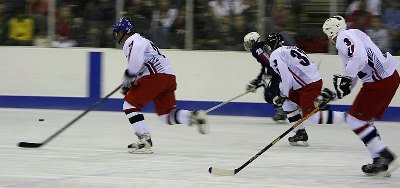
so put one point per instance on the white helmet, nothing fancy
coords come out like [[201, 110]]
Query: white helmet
[[250, 39], [333, 26]]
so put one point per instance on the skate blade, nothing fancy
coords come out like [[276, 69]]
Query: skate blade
[[392, 166], [203, 129], [281, 121], [299, 143], [141, 151]]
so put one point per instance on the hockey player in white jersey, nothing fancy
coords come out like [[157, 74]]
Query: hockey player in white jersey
[[300, 86], [149, 77], [377, 71]]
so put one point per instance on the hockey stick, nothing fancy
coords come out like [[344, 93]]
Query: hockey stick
[[226, 102], [36, 145], [226, 172], [230, 100]]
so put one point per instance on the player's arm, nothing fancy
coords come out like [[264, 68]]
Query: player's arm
[[257, 82], [135, 55], [353, 50], [263, 58], [282, 70]]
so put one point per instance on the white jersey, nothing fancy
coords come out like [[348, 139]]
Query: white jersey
[[362, 58], [294, 68], [144, 58]]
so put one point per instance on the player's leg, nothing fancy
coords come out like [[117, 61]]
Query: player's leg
[[165, 106], [146, 89], [382, 157], [294, 114], [303, 103], [370, 104], [271, 90], [328, 117], [142, 131]]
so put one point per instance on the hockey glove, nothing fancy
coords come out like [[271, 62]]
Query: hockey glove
[[326, 96], [342, 85], [266, 79], [253, 85], [278, 100], [127, 81], [124, 90]]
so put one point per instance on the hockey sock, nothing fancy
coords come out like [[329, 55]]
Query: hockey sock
[[293, 117], [176, 116], [368, 134], [136, 118], [328, 117]]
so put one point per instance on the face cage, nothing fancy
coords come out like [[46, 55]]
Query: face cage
[[268, 49], [248, 44], [118, 36], [115, 35], [274, 46]]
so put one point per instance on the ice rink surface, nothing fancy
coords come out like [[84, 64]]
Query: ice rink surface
[[92, 153]]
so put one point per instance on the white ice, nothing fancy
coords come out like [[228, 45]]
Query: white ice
[[92, 153]]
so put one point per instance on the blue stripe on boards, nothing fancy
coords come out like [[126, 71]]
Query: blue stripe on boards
[[115, 104], [94, 74]]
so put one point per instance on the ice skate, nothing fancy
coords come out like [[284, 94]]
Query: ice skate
[[299, 139], [280, 115], [198, 118], [143, 146], [382, 165]]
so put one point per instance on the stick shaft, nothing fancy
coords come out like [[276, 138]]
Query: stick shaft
[[34, 145], [225, 172], [277, 139], [226, 102]]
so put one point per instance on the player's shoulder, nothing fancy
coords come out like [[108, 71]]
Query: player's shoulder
[[350, 33], [283, 49], [352, 36], [278, 52]]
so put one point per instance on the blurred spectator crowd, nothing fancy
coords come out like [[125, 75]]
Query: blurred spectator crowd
[[217, 24]]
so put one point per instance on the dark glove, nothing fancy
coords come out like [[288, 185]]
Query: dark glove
[[253, 85], [326, 96], [266, 79], [278, 100], [342, 85], [124, 90]]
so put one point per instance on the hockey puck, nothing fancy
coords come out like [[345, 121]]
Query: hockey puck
[[41, 119]]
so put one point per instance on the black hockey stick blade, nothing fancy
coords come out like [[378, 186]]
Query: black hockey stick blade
[[29, 145], [221, 171]]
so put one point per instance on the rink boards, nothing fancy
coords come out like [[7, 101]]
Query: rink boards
[[75, 78]]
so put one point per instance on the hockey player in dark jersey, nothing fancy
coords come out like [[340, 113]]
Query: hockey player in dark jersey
[[253, 44]]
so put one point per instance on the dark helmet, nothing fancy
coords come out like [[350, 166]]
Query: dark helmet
[[274, 41], [125, 26]]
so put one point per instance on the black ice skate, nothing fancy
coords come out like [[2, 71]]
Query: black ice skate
[[382, 165], [299, 139], [198, 118], [143, 145], [280, 115]]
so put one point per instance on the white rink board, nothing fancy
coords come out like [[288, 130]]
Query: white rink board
[[201, 75], [92, 153]]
